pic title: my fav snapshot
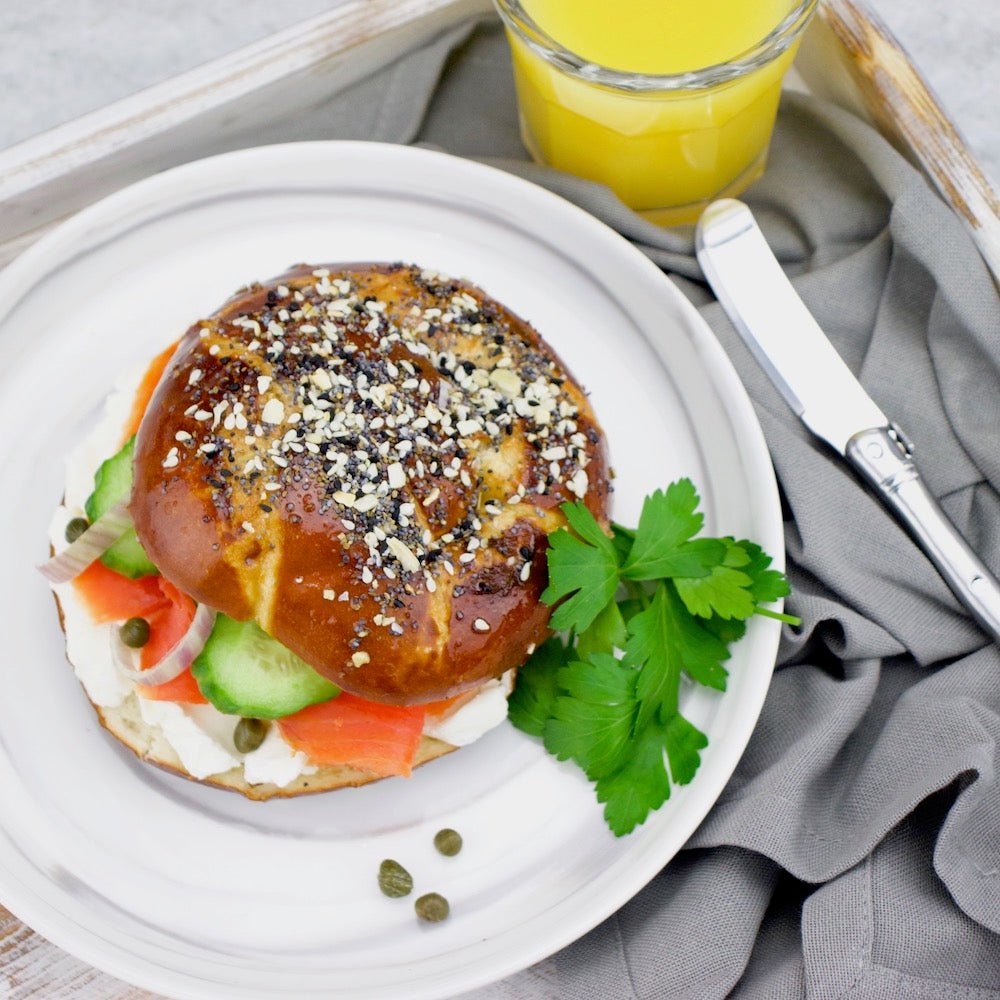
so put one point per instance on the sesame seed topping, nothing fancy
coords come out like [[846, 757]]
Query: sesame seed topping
[[406, 558], [360, 658], [579, 483], [481, 625], [273, 412], [387, 408], [506, 381], [396, 476]]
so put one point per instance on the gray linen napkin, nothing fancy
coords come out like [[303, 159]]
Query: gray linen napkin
[[856, 851]]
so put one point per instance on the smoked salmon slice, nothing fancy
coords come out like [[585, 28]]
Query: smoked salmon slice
[[183, 688], [381, 739], [167, 626], [146, 389], [111, 597]]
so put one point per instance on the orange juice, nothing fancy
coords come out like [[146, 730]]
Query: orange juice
[[671, 145]]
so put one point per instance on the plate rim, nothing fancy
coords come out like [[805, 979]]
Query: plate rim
[[31, 268]]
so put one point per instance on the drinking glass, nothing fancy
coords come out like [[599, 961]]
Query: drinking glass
[[666, 143]]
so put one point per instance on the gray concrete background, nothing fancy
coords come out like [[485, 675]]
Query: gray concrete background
[[62, 58]]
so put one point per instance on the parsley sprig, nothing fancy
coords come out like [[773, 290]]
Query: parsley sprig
[[638, 611]]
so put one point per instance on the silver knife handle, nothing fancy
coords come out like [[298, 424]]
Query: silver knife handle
[[882, 455]]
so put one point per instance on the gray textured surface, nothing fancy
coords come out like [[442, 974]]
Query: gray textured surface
[[63, 58]]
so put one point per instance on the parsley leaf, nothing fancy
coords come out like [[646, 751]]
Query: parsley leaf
[[657, 688], [663, 545], [592, 722], [639, 786], [642, 784], [630, 607], [622, 538], [684, 741], [605, 634], [663, 641], [767, 585], [729, 630], [583, 568], [530, 704], [725, 590]]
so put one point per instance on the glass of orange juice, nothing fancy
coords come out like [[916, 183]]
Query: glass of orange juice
[[670, 103]]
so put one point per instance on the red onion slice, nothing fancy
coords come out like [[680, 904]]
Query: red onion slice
[[91, 545], [176, 661]]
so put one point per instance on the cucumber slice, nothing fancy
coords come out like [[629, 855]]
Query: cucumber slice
[[113, 484], [241, 670]]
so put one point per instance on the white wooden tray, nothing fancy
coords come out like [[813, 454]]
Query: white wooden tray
[[848, 56], [274, 90]]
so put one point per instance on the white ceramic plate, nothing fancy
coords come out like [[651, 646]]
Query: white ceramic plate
[[195, 892]]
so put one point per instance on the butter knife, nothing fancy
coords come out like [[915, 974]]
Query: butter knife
[[819, 387]]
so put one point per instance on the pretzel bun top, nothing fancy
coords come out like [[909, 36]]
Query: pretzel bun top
[[366, 459]]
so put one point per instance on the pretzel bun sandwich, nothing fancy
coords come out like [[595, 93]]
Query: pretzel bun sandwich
[[306, 549]]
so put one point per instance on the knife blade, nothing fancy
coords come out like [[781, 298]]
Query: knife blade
[[822, 391]]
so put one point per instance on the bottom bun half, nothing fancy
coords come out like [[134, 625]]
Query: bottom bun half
[[149, 744]]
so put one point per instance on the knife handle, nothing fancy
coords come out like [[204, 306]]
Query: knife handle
[[882, 455]]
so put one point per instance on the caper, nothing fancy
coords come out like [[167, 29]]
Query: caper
[[135, 633], [394, 880], [76, 528], [249, 734], [432, 907], [448, 842]]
